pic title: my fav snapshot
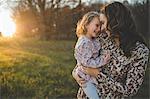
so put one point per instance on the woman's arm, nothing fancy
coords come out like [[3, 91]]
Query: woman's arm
[[134, 77]]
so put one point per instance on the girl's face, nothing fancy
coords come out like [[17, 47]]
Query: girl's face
[[103, 21], [93, 28]]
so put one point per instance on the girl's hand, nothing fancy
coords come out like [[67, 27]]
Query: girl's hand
[[91, 71], [106, 57], [79, 80]]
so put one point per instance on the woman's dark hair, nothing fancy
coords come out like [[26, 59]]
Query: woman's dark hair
[[120, 22]]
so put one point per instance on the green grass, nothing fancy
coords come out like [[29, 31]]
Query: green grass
[[34, 69]]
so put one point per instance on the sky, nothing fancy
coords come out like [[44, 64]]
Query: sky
[[130, 1], [106, 0]]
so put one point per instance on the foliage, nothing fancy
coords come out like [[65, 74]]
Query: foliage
[[48, 22]]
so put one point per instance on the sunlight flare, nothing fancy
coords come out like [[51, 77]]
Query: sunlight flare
[[7, 25]]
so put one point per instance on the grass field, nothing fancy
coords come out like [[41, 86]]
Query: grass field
[[34, 69]]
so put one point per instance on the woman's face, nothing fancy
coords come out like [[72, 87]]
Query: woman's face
[[103, 21]]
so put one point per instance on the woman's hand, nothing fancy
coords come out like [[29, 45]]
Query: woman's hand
[[91, 71], [79, 80]]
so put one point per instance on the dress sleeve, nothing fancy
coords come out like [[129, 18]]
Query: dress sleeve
[[134, 76], [84, 56]]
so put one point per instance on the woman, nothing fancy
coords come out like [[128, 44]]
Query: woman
[[126, 70]]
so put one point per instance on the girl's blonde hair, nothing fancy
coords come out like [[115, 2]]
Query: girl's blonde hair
[[86, 19]]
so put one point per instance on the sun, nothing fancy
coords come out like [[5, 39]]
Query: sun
[[7, 25]]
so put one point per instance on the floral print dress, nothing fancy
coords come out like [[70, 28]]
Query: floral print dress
[[123, 76]]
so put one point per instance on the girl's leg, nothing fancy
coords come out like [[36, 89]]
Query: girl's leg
[[90, 90]]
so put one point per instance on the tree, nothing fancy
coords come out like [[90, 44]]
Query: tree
[[49, 18], [35, 12]]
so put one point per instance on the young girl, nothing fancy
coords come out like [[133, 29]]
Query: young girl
[[87, 51]]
